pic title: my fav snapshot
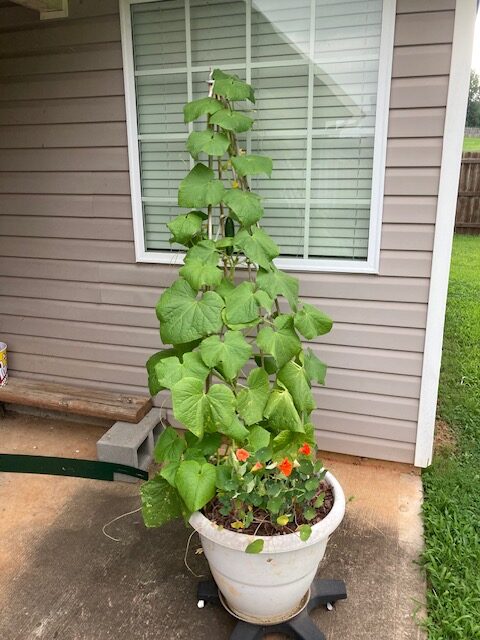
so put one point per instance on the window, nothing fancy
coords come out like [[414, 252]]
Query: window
[[321, 71]]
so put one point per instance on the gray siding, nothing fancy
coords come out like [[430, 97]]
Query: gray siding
[[75, 307]]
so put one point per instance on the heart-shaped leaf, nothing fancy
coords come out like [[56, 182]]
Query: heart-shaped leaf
[[197, 108], [234, 429], [231, 120], [199, 410], [170, 446], [195, 483], [258, 438], [276, 282], [232, 353], [231, 87], [252, 165], [200, 273], [241, 307], [315, 369], [170, 370], [311, 322], [186, 227], [282, 342], [154, 385], [252, 401], [257, 246], [246, 206], [281, 412], [200, 188], [160, 502], [208, 141], [183, 317], [294, 378]]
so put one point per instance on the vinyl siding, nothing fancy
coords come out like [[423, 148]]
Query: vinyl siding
[[74, 305]]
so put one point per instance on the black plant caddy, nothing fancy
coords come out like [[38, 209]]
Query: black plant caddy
[[300, 627]]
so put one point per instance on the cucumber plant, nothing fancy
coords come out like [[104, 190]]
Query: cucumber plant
[[239, 378]]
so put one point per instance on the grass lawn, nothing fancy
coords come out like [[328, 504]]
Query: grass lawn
[[471, 144], [452, 483]]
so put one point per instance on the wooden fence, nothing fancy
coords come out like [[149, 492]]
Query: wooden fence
[[467, 219]]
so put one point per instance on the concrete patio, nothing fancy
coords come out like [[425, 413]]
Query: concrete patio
[[61, 577]]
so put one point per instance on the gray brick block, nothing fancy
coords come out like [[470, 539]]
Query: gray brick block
[[131, 444]]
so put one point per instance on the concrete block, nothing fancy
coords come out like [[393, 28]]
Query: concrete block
[[131, 444]]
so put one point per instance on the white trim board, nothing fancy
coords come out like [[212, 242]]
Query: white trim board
[[462, 45], [371, 265]]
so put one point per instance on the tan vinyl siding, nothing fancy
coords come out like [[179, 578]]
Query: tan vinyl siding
[[74, 305]]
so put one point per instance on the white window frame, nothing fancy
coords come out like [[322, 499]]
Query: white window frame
[[371, 265]]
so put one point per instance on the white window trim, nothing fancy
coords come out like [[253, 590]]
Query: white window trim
[[459, 77], [371, 265]]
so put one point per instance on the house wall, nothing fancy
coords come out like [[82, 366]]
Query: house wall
[[74, 305]]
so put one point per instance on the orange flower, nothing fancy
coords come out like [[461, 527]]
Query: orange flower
[[242, 455], [305, 449], [286, 467], [257, 466]]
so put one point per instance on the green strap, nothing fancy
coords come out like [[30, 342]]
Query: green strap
[[73, 467]]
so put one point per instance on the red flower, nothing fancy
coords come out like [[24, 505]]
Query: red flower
[[286, 467], [305, 449], [242, 455]]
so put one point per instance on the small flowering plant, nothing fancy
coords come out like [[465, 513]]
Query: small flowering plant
[[239, 378]]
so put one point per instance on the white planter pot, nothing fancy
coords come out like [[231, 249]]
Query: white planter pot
[[270, 586]]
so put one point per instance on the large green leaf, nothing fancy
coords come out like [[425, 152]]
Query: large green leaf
[[258, 438], [294, 378], [234, 429], [200, 268], [251, 401], [220, 408], [153, 384], [225, 287], [231, 87], [246, 206], [276, 282], [281, 412], [183, 317], [198, 410], [160, 502], [190, 404], [282, 342], [241, 306], [200, 188], [199, 274], [231, 120], [195, 483], [186, 227], [197, 108], [315, 369], [208, 141], [252, 165], [170, 370], [311, 322], [257, 246], [204, 251], [169, 447], [232, 353]]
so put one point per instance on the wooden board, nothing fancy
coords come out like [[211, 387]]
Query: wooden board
[[71, 399]]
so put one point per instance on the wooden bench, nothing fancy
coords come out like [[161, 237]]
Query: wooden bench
[[79, 400]]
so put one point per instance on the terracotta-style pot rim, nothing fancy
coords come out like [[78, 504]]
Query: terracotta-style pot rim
[[275, 544]]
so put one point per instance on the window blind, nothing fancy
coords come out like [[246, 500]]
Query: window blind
[[314, 66]]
